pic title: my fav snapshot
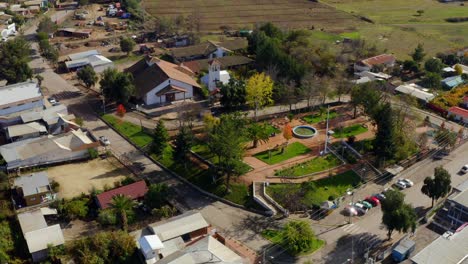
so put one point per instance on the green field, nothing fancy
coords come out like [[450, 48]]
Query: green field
[[317, 118], [291, 151], [133, 132], [277, 237], [314, 165], [398, 27], [349, 131], [335, 186], [203, 150]]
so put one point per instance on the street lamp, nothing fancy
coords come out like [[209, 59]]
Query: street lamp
[[351, 193]]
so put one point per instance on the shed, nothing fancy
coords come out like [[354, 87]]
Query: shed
[[179, 226], [452, 82]]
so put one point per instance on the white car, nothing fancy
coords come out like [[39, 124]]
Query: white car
[[464, 169], [104, 140], [400, 184], [408, 182]]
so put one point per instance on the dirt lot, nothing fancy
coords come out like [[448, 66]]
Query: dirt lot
[[77, 178], [245, 13]]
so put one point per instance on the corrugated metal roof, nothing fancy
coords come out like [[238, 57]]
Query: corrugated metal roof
[[203, 251], [179, 225], [414, 91], [40, 239], [33, 183], [25, 129], [84, 54], [47, 114], [19, 92], [447, 250], [32, 220]]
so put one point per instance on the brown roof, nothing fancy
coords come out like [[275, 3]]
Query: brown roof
[[228, 61], [379, 59], [203, 49], [147, 77], [171, 89], [135, 190]]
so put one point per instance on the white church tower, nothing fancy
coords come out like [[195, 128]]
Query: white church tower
[[214, 74]]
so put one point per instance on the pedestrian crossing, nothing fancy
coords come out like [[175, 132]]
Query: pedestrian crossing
[[352, 229]]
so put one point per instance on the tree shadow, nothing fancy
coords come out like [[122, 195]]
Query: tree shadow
[[352, 246]]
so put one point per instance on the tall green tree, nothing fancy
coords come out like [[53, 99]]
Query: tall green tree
[[117, 86], [445, 138], [6, 242], [411, 66], [259, 91], [14, 58], [397, 215], [156, 195], [123, 207], [183, 143], [226, 140], [46, 25], [298, 237], [439, 186], [258, 133], [88, 76], [432, 80], [127, 45], [418, 54], [384, 143], [160, 138], [233, 94], [434, 65]]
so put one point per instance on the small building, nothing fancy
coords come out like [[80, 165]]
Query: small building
[[74, 32], [73, 145], [452, 82], [227, 63], [135, 191], [17, 99], [7, 31], [25, 131], [415, 90], [457, 207], [33, 189], [208, 50], [450, 248], [38, 235], [159, 82], [98, 62], [56, 119], [382, 60], [458, 113], [215, 76], [188, 226]]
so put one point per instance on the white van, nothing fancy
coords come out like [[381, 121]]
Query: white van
[[464, 169]]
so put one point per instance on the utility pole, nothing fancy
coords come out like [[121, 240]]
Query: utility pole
[[326, 131], [350, 192]]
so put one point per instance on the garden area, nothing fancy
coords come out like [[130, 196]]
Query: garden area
[[317, 164], [311, 194], [280, 154], [134, 133], [348, 131], [203, 150], [319, 117]]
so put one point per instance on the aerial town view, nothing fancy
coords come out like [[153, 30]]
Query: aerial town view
[[234, 131]]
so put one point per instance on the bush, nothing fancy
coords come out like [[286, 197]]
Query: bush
[[163, 212], [331, 198], [93, 153], [128, 180], [107, 217], [54, 185], [77, 208]]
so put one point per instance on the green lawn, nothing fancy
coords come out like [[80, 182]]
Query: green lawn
[[204, 179], [349, 131], [277, 237], [317, 118], [134, 132], [271, 129], [315, 165], [321, 190], [291, 151], [203, 150]]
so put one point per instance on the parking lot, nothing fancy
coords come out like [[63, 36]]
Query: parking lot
[[77, 178]]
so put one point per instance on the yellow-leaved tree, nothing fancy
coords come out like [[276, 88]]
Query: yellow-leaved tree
[[458, 69], [259, 90]]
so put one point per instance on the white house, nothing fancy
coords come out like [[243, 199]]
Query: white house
[[385, 60], [160, 82], [19, 98], [458, 113], [215, 76], [73, 145], [92, 58], [415, 90]]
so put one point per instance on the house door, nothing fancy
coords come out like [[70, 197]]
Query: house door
[[170, 97]]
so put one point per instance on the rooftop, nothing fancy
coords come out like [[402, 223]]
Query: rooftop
[[41, 239], [134, 191], [25, 129], [179, 225], [416, 91], [461, 198], [33, 183], [379, 59], [49, 115], [19, 92], [226, 62], [447, 249], [453, 81], [458, 111], [84, 54]]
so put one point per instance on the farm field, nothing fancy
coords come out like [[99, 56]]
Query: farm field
[[246, 13], [399, 28]]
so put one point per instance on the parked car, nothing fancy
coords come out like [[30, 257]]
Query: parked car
[[372, 200], [52, 101], [400, 184], [408, 182], [104, 140], [380, 196], [464, 169], [366, 204], [360, 208], [351, 210]]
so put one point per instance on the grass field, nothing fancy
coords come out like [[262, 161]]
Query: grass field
[[138, 136], [349, 131], [246, 13], [315, 165], [291, 151], [334, 186], [277, 237], [317, 118]]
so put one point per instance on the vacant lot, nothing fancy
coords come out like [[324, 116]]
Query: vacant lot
[[77, 178], [246, 13]]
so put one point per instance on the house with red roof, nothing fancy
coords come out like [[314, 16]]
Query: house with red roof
[[135, 191], [458, 113], [385, 60], [465, 102]]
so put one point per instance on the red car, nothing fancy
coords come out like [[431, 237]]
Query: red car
[[372, 200]]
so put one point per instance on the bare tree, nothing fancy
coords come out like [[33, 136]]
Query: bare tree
[[310, 87]]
